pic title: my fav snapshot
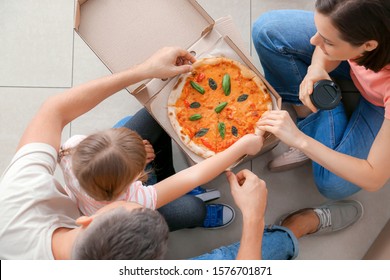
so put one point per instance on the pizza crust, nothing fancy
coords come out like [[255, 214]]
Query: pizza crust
[[263, 88], [199, 150], [177, 89]]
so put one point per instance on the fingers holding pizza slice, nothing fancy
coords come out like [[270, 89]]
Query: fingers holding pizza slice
[[216, 104]]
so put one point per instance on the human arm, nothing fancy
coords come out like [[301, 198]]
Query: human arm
[[370, 174], [182, 182], [318, 70], [250, 195], [59, 110]]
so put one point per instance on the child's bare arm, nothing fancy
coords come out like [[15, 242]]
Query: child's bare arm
[[201, 173]]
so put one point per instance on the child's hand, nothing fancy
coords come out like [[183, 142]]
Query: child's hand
[[149, 151], [252, 143]]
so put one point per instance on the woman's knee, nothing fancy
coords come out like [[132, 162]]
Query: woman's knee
[[265, 28], [272, 30], [333, 187]]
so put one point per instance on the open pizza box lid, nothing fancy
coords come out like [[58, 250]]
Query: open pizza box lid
[[125, 33]]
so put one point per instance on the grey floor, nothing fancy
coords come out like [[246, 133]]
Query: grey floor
[[40, 55]]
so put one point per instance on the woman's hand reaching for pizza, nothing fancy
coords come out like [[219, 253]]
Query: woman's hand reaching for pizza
[[282, 126], [150, 155], [167, 62]]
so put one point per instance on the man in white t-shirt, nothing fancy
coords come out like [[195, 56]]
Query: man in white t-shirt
[[37, 219]]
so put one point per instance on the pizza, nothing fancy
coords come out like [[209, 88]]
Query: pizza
[[216, 104]]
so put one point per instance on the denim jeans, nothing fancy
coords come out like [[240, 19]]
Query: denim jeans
[[147, 127], [282, 41], [185, 212], [279, 243]]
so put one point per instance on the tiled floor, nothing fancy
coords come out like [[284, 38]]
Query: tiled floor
[[40, 55]]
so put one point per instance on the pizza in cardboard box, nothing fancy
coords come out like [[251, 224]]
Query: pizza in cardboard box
[[216, 104]]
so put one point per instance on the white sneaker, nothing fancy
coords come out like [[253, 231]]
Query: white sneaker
[[288, 160]]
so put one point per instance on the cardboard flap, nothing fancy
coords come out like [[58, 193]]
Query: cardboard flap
[[125, 33]]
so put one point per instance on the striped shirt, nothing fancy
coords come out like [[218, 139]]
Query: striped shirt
[[136, 192]]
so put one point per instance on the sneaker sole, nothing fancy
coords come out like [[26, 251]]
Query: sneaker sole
[[287, 166], [209, 196]]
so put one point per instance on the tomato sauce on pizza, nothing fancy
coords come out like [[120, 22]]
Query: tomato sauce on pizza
[[216, 104]]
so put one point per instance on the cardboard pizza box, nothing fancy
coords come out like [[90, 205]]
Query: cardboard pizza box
[[125, 33]]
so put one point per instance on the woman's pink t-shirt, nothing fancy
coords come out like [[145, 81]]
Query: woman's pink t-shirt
[[374, 87]]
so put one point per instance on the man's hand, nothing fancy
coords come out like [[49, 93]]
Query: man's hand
[[168, 62], [249, 193]]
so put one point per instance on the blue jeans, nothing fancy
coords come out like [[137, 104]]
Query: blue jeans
[[279, 243], [282, 41], [187, 211]]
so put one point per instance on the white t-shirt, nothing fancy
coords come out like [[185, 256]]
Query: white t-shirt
[[32, 204]]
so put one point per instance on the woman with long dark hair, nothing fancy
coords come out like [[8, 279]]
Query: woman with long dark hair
[[343, 38]]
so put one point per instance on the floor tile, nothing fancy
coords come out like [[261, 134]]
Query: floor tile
[[86, 68], [36, 43], [17, 108], [238, 9]]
